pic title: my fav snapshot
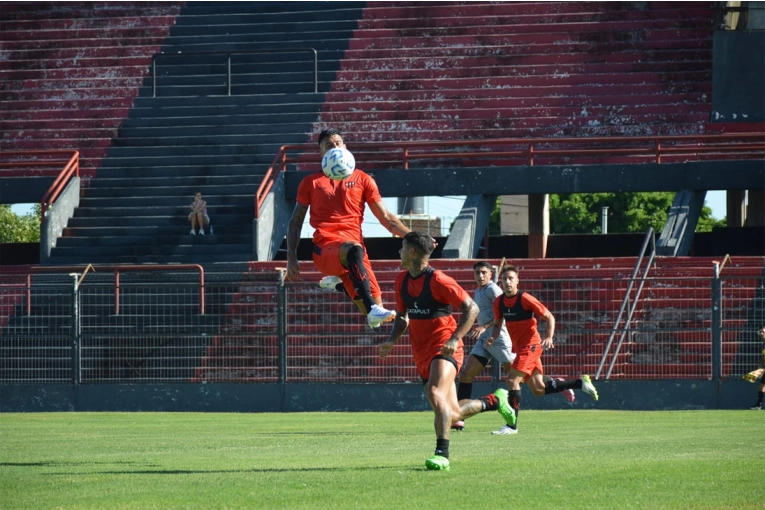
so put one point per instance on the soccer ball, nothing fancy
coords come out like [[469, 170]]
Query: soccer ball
[[338, 163]]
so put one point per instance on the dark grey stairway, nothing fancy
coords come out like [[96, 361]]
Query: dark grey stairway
[[193, 137]]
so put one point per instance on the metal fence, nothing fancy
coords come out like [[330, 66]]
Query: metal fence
[[256, 328]]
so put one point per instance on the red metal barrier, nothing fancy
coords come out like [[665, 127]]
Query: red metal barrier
[[645, 149]]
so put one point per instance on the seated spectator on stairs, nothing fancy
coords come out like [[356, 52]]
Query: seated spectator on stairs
[[198, 216]]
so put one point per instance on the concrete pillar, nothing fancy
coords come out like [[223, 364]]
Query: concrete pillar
[[514, 215], [735, 207], [539, 225], [755, 211], [411, 205]]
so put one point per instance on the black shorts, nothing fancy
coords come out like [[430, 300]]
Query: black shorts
[[447, 358]]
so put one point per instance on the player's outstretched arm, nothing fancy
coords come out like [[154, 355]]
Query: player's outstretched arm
[[293, 237], [547, 341]]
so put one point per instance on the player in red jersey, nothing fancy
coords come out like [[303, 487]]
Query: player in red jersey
[[337, 211], [518, 309], [424, 301]]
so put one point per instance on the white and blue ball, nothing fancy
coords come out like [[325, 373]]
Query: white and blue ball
[[338, 163]]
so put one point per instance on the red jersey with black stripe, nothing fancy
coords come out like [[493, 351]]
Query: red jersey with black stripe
[[429, 334], [523, 330], [337, 207]]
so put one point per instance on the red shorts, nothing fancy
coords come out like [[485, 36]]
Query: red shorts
[[528, 359], [328, 262]]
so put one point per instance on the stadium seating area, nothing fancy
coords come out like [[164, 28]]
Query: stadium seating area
[[76, 75], [69, 71], [386, 71], [539, 69]]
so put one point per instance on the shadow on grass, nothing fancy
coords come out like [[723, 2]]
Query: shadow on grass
[[55, 463], [234, 471]]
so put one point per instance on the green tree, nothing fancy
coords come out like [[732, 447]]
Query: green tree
[[579, 213], [19, 229]]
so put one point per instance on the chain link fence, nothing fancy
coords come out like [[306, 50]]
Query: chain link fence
[[255, 328]]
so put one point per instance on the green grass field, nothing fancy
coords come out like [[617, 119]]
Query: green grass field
[[560, 459]]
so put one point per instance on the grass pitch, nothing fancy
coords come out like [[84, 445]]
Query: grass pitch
[[560, 459]]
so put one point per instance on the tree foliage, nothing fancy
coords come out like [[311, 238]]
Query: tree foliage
[[19, 229], [579, 213]]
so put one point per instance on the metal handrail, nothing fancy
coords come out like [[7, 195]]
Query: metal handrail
[[117, 269], [71, 168], [228, 63], [648, 240], [653, 148]]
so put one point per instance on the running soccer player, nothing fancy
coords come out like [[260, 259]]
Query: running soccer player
[[501, 350], [517, 310], [424, 300], [761, 381]]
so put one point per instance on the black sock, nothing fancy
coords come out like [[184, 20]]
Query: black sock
[[442, 447], [760, 394], [515, 402], [490, 403], [359, 277], [464, 390], [555, 386]]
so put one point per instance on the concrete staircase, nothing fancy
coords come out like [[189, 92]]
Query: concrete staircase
[[192, 137], [387, 71]]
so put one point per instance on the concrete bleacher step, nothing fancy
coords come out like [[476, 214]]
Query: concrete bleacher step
[[531, 62], [200, 134]]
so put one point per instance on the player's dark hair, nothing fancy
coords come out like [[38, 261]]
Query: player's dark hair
[[508, 268], [483, 264], [421, 242], [327, 133]]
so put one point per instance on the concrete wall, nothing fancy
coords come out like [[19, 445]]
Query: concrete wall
[[261, 398], [738, 77], [269, 230], [57, 216]]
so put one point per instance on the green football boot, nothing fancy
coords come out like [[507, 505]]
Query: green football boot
[[507, 412], [437, 463], [588, 387]]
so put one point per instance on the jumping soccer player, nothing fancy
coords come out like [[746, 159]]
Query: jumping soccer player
[[337, 212]]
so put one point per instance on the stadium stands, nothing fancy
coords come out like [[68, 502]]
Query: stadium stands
[[75, 75], [386, 71], [503, 70], [70, 71], [669, 336]]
